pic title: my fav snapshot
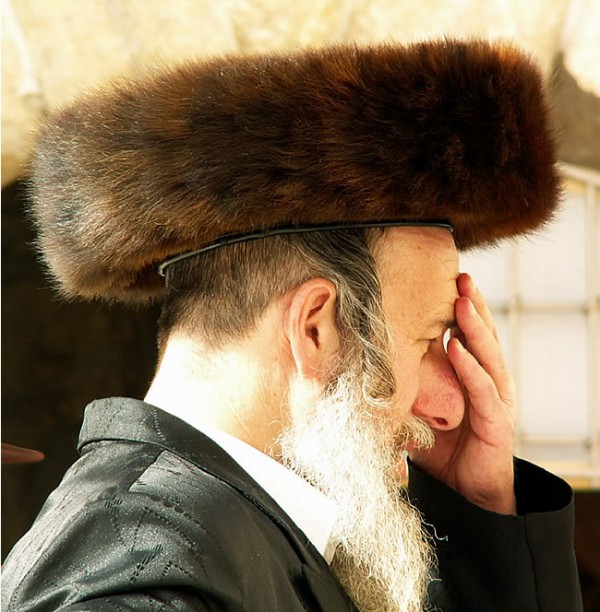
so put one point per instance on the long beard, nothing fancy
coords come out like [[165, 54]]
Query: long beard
[[351, 453]]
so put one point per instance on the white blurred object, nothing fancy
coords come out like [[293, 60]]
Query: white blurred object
[[580, 43]]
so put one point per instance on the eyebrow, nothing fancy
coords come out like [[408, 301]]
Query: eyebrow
[[439, 324]]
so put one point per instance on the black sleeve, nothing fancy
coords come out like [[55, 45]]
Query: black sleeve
[[498, 563]]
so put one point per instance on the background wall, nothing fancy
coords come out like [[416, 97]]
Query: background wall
[[54, 50]]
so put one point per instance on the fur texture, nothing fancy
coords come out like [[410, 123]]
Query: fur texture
[[146, 169]]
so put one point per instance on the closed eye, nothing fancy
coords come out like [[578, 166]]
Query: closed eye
[[444, 338]]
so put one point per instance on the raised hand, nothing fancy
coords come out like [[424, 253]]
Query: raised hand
[[476, 458]]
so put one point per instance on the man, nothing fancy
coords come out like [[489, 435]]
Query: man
[[306, 211]]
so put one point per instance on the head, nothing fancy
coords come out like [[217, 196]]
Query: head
[[359, 317]]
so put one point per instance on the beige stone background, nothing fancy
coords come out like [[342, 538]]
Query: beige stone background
[[56, 357], [54, 49]]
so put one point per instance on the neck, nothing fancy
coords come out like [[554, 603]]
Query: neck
[[225, 390]]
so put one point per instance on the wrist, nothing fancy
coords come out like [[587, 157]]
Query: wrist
[[506, 504]]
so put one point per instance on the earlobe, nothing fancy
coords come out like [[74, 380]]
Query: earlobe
[[311, 327]]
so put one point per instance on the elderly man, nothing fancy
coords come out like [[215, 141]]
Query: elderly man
[[305, 211]]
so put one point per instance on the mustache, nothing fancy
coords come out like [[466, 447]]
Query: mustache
[[414, 434]]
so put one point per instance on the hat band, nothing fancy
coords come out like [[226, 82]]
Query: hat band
[[280, 231]]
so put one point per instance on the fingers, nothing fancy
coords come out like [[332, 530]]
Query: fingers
[[478, 384], [481, 342], [491, 415], [480, 336], [467, 288]]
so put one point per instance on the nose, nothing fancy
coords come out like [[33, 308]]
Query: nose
[[440, 399]]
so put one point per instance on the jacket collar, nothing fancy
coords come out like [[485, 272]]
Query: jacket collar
[[129, 419]]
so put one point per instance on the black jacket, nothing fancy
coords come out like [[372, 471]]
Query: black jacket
[[156, 516]]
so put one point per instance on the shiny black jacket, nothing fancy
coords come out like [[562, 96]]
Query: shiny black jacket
[[156, 516]]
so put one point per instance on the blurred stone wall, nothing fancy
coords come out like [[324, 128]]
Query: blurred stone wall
[[54, 50]]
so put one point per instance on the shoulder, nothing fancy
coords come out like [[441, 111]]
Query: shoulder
[[130, 515]]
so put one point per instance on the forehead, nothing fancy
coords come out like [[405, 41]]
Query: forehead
[[417, 269]]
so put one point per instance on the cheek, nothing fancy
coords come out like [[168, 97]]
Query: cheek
[[407, 370]]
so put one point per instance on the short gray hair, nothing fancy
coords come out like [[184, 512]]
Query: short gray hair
[[219, 296]]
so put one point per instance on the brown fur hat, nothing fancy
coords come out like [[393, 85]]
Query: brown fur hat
[[151, 168]]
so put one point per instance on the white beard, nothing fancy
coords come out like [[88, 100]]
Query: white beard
[[350, 452]]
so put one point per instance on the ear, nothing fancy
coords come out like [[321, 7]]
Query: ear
[[311, 329]]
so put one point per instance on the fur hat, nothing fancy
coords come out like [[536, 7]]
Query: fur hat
[[147, 169]]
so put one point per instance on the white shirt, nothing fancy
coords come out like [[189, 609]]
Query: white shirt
[[311, 511]]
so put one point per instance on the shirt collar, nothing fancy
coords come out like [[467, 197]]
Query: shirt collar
[[313, 512]]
